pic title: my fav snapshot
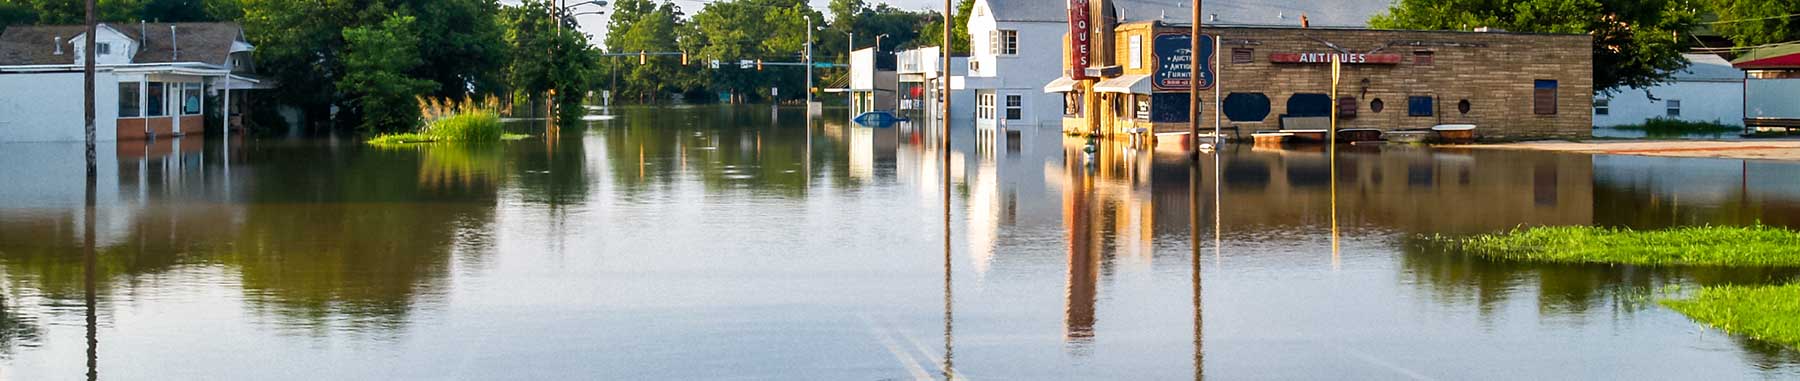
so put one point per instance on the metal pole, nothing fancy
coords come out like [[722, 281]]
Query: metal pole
[[949, 13], [1194, 87], [1218, 93], [809, 65]]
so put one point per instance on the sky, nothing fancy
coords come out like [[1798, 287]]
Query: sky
[[595, 25]]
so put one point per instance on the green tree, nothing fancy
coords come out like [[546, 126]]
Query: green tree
[[1756, 22], [933, 33], [1637, 43], [546, 59], [14, 13], [376, 62]]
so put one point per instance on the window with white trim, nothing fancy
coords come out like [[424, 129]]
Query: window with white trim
[[1603, 106], [1015, 107], [1003, 42], [102, 48], [1136, 52], [1674, 106]]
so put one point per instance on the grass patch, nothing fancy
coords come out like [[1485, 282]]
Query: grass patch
[[1767, 313], [1687, 246], [468, 121], [1667, 125]]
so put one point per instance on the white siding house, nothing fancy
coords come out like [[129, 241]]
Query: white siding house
[[152, 80], [1708, 90]]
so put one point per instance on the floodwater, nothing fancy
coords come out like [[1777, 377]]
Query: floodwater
[[752, 243]]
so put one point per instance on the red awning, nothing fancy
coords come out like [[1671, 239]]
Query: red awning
[[1780, 57]]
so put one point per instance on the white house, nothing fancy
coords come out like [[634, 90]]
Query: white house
[[1708, 90], [152, 80], [873, 82], [1017, 45]]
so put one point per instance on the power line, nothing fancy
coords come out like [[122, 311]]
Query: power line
[[1749, 20]]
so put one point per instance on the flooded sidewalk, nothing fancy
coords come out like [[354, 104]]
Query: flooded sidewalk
[[1782, 149]]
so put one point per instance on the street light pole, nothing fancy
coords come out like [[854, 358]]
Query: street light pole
[[809, 65]]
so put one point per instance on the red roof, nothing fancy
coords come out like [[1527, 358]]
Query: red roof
[[1779, 57]]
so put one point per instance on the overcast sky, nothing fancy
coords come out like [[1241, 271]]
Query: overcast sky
[[595, 25]]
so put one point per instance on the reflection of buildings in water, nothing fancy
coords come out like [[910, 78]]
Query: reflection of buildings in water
[[1409, 188], [1650, 192], [1109, 213]]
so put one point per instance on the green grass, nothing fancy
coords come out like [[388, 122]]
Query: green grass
[[468, 127], [1688, 246], [1766, 313], [1667, 125]]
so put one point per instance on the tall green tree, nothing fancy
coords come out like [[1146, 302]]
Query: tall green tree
[[1637, 43], [1756, 22], [377, 63], [933, 33], [547, 60]]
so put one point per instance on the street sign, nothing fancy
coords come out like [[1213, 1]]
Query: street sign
[[1174, 69]]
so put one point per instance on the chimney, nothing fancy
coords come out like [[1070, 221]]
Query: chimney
[[174, 45], [59, 45]]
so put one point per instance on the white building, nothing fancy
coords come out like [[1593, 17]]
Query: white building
[[152, 80], [873, 82], [1708, 90], [919, 72], [1017, 45]]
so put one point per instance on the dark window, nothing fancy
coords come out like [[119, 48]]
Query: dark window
[[1246, 107], [157, 100], [1015, 107], [1674, 107], [129, 104], [1419, 106], [1463, 107], [1603, 107], [1424, 58], [1377, 105], [1169, 108], [1543, 98], [1243, 55], [1306, 105], [1347, 107]]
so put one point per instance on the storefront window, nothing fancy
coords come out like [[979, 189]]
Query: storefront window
[[1169, 108], [1246, 107], [1309, 105], [130, 106]]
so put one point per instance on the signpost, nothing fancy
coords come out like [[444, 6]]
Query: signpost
[[1175, 66]]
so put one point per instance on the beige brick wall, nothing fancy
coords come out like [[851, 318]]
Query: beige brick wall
[[1495, 72]]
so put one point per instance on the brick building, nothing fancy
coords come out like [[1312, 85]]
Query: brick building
[[1510, 85]]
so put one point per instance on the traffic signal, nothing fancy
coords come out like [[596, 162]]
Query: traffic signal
[[684, 60], [643, 58], [759, 65]]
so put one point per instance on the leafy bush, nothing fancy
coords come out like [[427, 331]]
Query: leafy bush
[[1663, 124], [474, 126]]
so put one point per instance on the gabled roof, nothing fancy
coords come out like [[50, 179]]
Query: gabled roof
[[1775, 57], [1335, 13], [200, 42], [1708, 67]]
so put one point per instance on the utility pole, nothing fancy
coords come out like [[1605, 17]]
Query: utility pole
[[1194, 88], [949, 13], [87, 98], [93, 178]]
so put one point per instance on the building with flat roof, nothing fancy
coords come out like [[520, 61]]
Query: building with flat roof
[[1771, 86], [1136, 77]]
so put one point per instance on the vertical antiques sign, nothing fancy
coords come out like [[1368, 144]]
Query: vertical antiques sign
[[1175, 66], [1079, 55]]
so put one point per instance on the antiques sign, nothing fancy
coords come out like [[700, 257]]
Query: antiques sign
[[1175, 66], [1325, 58]]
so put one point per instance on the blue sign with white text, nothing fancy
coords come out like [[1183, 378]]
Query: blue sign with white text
[[1174, 66]]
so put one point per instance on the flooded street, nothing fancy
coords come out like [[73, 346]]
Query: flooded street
[[752, 243]]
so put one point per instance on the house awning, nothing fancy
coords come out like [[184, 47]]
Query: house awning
[[1128, 84], [1060, 85], [1777, 57]]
